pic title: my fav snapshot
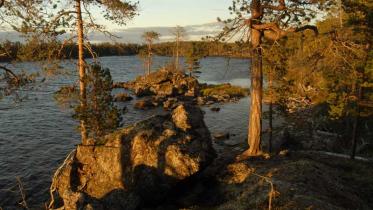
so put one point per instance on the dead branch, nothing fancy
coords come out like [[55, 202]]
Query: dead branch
[[272, 192], [89, 48], [10, 72], [23, 203], [53, 187], [65, 42]]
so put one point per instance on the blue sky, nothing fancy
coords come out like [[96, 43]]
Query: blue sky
[[179, 12]]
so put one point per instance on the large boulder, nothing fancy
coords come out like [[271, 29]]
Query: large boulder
[[139, 164]]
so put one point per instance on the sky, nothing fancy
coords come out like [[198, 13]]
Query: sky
[[163, 14], [178, 12]]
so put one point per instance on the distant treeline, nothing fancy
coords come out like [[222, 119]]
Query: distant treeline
[[207, 48], [34, 51]]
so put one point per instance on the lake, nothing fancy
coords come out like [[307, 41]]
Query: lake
[[36, 134]]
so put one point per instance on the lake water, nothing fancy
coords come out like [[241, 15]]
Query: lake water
[[36, 134]]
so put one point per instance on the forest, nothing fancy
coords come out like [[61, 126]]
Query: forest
[[69, 51], [273, 112]]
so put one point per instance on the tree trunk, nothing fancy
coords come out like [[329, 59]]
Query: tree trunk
[[177, 53], [149, 57], [341, 13], [255, 123], [81, 69], [270, 112], [355, 125]]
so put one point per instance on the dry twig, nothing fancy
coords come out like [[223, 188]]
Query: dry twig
[[272, 192], [23, 203]]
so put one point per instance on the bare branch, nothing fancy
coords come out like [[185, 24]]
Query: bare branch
[[89, 48], [308, 27], [8, 71], [58, 17]]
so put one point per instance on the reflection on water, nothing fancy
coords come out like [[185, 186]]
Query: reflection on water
[[36, 135]]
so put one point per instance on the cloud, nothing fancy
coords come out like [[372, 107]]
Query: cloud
[[133, 35]]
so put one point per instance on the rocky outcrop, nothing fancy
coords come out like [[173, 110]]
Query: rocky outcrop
[[137, 165], [294, 181], [163, 83], [221, 93], [168, 88]]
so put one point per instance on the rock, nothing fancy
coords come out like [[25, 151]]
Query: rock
[[284, 152], [215, 109], [122, 97], [144, 104], [142, 91], [298, 183], [157, 100], [170, 103], [209, 102], [124, 110], [139, 164], [221, 136], [118, 85], [287, 141], [176, 84], [201, 100], [163, 89], [193, 87], [128, 85], [187, 117], [365, 149], [231, 143]]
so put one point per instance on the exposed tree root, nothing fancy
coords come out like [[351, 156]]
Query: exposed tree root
[[247, 155]]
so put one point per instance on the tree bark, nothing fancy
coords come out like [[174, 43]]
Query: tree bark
[[177, 52], [340, 13], [355, 126], [255, 123], [270, 123], [149, 57], [81, 69]]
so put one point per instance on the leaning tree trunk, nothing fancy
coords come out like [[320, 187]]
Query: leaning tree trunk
[[81, 69]]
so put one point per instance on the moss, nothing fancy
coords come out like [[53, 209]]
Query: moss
[[224, 89]]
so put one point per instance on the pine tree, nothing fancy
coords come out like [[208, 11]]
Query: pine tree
[[258, 20], [149, 37]]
